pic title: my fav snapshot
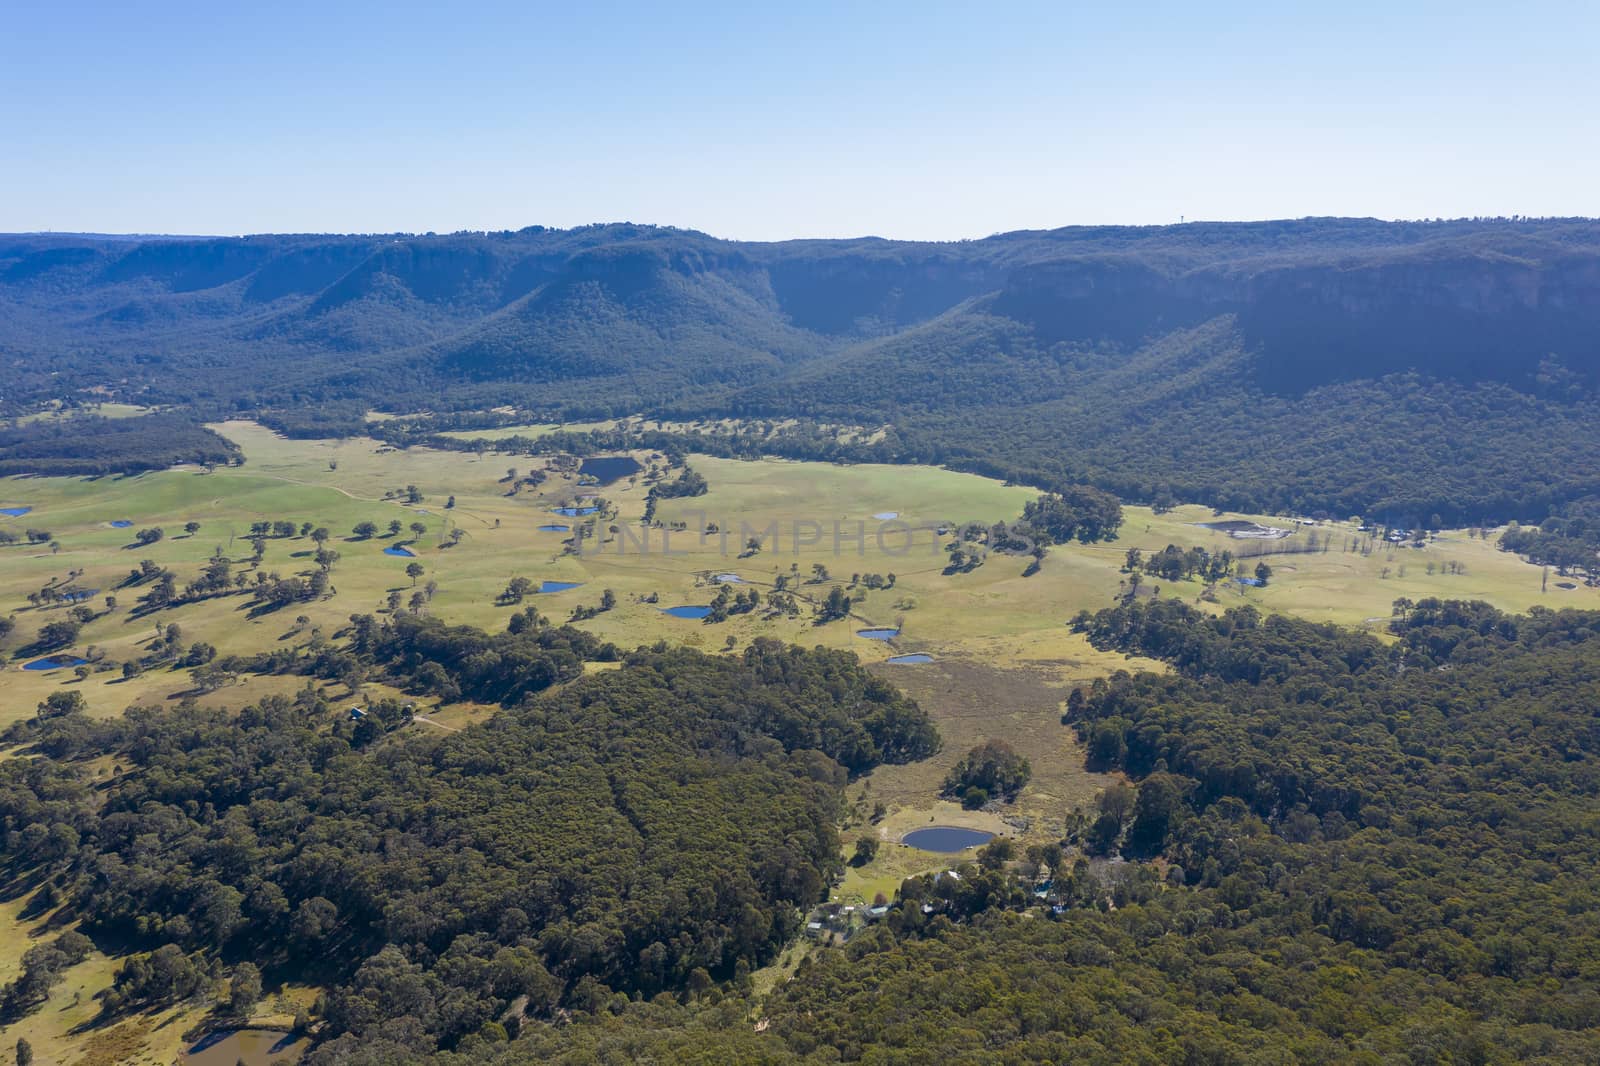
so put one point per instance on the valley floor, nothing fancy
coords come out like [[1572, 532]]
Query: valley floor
[[1004, 658]]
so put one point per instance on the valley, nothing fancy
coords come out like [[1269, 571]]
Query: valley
[[1003, 657], [992, 614], [557, 535]]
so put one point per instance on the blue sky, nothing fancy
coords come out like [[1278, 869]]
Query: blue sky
[[763, 121]]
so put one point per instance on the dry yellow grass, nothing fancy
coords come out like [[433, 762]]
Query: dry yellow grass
[[1005, 658], [62, 1030]]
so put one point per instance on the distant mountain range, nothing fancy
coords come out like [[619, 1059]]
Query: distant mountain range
[[1321, 362]]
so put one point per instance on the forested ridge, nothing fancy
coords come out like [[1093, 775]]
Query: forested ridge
[[1338, 850], [1395, 370], [1318, 845], [635, 831], [88, 444], [1366, 854]]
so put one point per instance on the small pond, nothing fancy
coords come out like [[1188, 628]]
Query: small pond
[[608, 468], [878, 634], [79, 595], [946, 838], [885, 516], [15, 512], [253, 1047], [727, 579], [687, 611], [55, 662], [915, 659], [1253, 582], [555, 529], [558, 586], [573, 512], [1565, 585], [404, 553], [120, 523]]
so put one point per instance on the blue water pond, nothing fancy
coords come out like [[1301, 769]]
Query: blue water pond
[[687, 612], [395, 549], [120, 523], [79, 595], [878, 634], [910, 660], [573, 512], [15, 512], [946, 838], [885, 516], [555, 529], [558, 586], [608, 468], [1253, 582], [728, 579], [55, 662]]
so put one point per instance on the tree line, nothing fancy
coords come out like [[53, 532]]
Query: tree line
[[634, 832]]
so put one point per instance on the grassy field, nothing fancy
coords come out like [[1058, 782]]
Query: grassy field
[[1004, 657], [67, 1028], [992, 617], [104, 410], [62, 1030], [531, 429], [1340, 584]]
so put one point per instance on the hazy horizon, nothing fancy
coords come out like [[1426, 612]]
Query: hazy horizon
[[916, 122], [156, 235]]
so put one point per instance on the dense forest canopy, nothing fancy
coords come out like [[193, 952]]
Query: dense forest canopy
[[1371, 853], [1318, 845], [1568, 540], [636, 828], [87, 444], [1338, 365], [1343, 851]]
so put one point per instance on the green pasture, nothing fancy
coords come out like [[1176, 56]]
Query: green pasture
[[1005, 657]]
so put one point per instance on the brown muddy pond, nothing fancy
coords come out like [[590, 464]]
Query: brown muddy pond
[[253, 1047]]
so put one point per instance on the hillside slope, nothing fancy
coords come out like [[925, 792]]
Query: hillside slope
[[1333, 364]]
